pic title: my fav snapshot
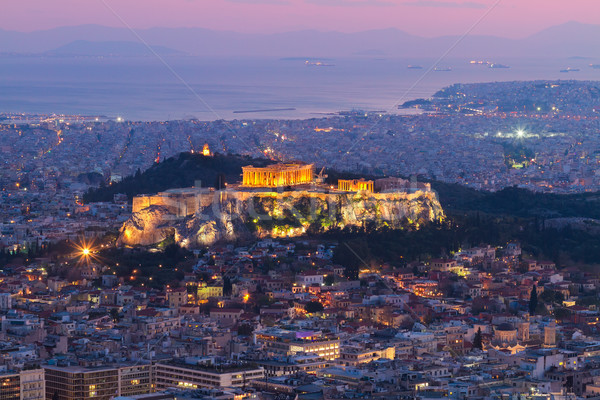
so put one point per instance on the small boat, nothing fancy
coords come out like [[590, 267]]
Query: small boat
[[414, 67], [442, 69], [318, 64]]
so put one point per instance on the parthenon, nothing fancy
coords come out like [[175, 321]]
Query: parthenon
[[278, 175]]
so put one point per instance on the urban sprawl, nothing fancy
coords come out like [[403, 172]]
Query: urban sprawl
[[280, 319]]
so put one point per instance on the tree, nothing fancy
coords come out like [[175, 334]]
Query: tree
[[227, 286], [220, 182], [533, 300], [352, 255], [313, 307], [477, 340], [561, 313], [329, 280], [114, 314], [551, 296], [245, 330]]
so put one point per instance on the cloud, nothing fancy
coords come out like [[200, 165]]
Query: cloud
[[350, 3], [444, 4]]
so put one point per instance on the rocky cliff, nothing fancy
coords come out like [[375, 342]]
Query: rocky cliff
[[229, 215]]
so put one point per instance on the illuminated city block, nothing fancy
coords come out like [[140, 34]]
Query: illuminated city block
[[278, 175]]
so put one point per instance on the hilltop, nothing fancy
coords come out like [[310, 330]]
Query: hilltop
[[550, 226], [183, 170], [186, 169]]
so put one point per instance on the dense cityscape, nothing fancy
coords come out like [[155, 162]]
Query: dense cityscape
[[300, 200], [294, 317]]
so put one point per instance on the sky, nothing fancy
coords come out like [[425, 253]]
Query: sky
[[508, 18]]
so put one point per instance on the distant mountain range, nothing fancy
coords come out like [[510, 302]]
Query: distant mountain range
[[567, 40]]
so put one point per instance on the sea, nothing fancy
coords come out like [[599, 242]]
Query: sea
[[186, 87]]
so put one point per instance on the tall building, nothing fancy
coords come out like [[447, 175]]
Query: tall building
[[5, 301], [24, 385], [103, 383], [195, 373], [353, 356], [177, 297], [135, 379], [33, 384], [10, 386], [523, 331], [550, 335], [205, 291], [285, 343]]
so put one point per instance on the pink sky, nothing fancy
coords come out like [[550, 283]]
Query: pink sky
[[511, 18]]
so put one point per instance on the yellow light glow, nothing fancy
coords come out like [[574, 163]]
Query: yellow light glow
[[85, 252]]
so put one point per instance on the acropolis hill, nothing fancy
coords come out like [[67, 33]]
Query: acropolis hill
[[280, 200]]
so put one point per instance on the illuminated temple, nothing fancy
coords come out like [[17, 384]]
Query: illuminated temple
[[295, 174], [355, 185], [278, 175]]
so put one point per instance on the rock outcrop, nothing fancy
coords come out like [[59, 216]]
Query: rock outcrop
[[234, 214]]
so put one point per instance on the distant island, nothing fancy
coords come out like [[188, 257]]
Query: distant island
[[112, 49]]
